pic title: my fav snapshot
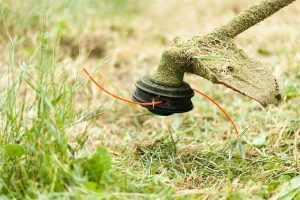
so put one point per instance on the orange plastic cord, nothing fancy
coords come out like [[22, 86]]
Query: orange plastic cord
[[225, 113], [159, 102], [120, 98]]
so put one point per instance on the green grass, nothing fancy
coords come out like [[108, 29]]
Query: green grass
[[37, 109], [62, 139]]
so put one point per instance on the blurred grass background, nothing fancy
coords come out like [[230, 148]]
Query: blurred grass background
[[62, 138]]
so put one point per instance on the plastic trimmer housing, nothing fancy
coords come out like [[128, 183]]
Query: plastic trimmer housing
[[175, 99]]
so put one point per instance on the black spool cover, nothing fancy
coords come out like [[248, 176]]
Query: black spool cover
[[175, 99]]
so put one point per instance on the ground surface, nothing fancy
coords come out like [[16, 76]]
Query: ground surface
[[61, 137]]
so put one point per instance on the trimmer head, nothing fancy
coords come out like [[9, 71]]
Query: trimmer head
[[175, 99]]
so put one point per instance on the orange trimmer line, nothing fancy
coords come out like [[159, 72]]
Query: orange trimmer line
[[120, 98], [159, 102], [225, 113]]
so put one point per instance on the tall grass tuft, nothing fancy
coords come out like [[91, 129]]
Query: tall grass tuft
[[37, 111]]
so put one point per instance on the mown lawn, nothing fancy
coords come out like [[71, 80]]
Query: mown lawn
[[62, 138]]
